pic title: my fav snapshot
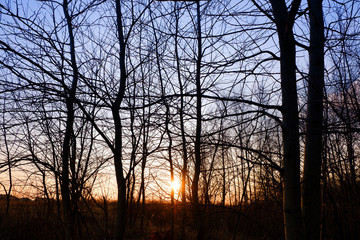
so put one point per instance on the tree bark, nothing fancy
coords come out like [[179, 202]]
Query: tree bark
[[121, 212], [311, 192], [70, 99], [182, 129], [198, 160], [284, 20]]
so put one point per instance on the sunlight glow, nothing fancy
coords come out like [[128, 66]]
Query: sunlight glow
[[175, 185]]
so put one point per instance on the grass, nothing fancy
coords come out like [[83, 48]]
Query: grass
[[36, 220], [29, 219]]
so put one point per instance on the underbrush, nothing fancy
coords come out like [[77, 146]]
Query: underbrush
[[41, 219], [37, 220]]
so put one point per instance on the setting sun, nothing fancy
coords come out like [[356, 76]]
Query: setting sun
[[179, 119], [175, 185]]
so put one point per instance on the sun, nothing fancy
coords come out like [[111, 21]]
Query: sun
[[175, 185]]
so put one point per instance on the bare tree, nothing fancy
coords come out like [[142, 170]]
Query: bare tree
[[284, 20], [311, 191]]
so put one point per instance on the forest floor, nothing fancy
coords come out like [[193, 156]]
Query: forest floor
[[32, 219]]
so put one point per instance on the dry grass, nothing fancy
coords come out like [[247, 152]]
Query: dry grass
[[260, 220]]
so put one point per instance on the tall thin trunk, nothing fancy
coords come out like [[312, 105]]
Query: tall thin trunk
[[292, 201], [121, 212], [8, 159], [172, 224], [198, 160], [146, 128], [70, 99], [142, 193], [106, 218], [143, 164], [284, 20], [182, 129], [65, 190], [223, 195], [311, 194], [134, 145], [195, 184]]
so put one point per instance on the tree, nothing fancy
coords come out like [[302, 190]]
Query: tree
[[311, 190], [198, 141], [217, 90], [284, 20], [47, 78]]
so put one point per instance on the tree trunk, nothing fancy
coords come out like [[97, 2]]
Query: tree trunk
[[8, 159], [291, 149], [311, 194], [121, 211], [182, 129], [70, 98], [195, 183], [284, 20], [120, 222], [223, 195]]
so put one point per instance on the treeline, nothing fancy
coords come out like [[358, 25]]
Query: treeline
[[250, 105]]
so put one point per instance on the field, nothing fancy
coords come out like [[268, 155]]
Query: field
[[262, 219], [39, 219]]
